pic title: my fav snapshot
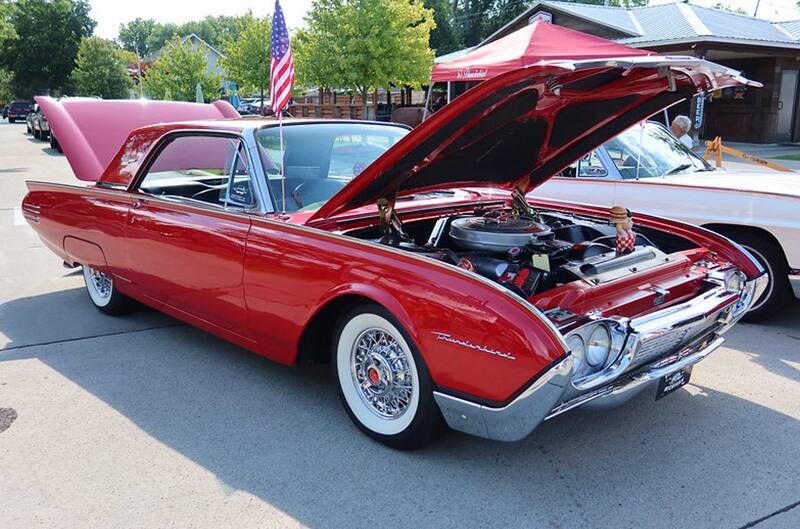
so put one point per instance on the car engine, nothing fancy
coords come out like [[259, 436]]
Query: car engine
[[530, 254]]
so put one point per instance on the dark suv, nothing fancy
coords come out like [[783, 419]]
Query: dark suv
[[18, 110]]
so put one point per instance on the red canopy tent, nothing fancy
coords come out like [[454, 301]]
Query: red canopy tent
[[536, 42]]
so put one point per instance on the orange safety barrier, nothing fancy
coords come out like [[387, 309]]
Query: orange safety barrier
[[716, 148]]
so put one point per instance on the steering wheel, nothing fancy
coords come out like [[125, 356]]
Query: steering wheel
[[295, 194], [208, 190]]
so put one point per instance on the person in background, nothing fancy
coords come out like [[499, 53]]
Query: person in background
[[680, 128]]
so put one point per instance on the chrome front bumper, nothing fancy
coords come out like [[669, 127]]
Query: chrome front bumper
[[692, 330]]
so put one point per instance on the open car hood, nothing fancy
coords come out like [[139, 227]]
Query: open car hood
[[518, 129]]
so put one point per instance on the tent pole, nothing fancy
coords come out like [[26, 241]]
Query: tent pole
[[427, 101]]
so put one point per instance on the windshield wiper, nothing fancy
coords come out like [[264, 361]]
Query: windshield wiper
[[679, 168]]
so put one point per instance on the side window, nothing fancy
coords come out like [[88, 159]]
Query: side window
[[589, 166], [211, 169]]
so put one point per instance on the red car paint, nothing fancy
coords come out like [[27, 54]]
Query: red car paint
[[260, 281]]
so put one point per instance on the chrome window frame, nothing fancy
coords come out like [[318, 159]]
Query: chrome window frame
[[261, 206]]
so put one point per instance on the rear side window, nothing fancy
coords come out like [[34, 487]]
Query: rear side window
[[210, 169]]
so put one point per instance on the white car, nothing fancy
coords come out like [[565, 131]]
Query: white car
[[647, 170]]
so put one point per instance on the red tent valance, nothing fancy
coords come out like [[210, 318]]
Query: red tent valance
[[536, 42]]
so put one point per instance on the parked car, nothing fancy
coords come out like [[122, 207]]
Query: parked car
[[41, 128], [29, 118], [647, 168], [4, 111], [36, 124], [19, 110], [409, 260]]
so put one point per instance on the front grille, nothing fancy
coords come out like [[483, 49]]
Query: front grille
[[659, 345]]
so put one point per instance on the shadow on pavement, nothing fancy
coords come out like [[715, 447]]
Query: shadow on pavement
[[281, 434]]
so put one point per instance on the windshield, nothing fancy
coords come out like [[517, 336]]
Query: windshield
[[320, 158], [651, 150]]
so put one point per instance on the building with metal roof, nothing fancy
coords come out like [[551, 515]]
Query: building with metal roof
[[765, 51]]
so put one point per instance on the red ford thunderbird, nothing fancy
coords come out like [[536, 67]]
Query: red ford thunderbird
[[408, 259]]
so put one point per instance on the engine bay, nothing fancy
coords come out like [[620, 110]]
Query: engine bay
[[528, 253]]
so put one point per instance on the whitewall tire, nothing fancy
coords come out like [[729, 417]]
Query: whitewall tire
[[100, 287], [383, 382]]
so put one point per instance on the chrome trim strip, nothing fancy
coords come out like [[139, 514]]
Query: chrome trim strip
[[517, 419], [649, 375]]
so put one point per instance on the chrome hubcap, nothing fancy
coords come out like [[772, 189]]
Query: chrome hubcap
[[381, 373], [101, 283]]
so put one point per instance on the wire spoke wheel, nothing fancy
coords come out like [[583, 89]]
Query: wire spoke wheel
[[381, 373], [100, 286]]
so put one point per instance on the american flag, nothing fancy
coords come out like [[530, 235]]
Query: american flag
[[282, 65]]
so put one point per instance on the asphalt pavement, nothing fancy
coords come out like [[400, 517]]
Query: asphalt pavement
[[143, 422]]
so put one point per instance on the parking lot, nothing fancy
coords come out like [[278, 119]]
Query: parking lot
[[142, 421]]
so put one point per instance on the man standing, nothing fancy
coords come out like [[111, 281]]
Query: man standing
[[680, 128]]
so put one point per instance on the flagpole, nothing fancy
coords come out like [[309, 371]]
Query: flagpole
[[283, 175]]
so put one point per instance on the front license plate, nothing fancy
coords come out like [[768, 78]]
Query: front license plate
[[673, 381]]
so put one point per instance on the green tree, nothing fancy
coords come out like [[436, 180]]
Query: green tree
[[247, 55], [176, 72], [367, 44], [7, 32], [100, 70], [49, 32], [134, 36], [6, 90], [444, 37]]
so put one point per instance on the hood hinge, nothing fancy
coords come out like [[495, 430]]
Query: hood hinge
[[520, 206], [389, 221]]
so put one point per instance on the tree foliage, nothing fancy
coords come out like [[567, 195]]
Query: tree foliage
[[176, 72], [135, 35], [247, 55], [6, 90], [146, 36], [100, 70], [362, 45], [49, 33], [444, 37]]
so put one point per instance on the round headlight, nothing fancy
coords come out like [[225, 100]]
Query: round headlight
[[599, 346], [575, 344]]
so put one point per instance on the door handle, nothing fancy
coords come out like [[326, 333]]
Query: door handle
[[136, 204]]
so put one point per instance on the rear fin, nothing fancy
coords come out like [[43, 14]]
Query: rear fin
[[91, 131]]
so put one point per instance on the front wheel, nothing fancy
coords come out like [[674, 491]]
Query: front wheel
[[383, 381], [779, 290], [104, 296]]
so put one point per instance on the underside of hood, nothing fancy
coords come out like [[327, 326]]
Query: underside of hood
[[518, 129]]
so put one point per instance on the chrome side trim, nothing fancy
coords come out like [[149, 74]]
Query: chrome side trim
[[635, 383], [517, 419]]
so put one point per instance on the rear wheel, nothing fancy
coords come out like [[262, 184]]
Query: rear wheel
[[27, 128], [779, 289], [36, 133], [54, 143], [104, 296], [383, 381], [11, 120]]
